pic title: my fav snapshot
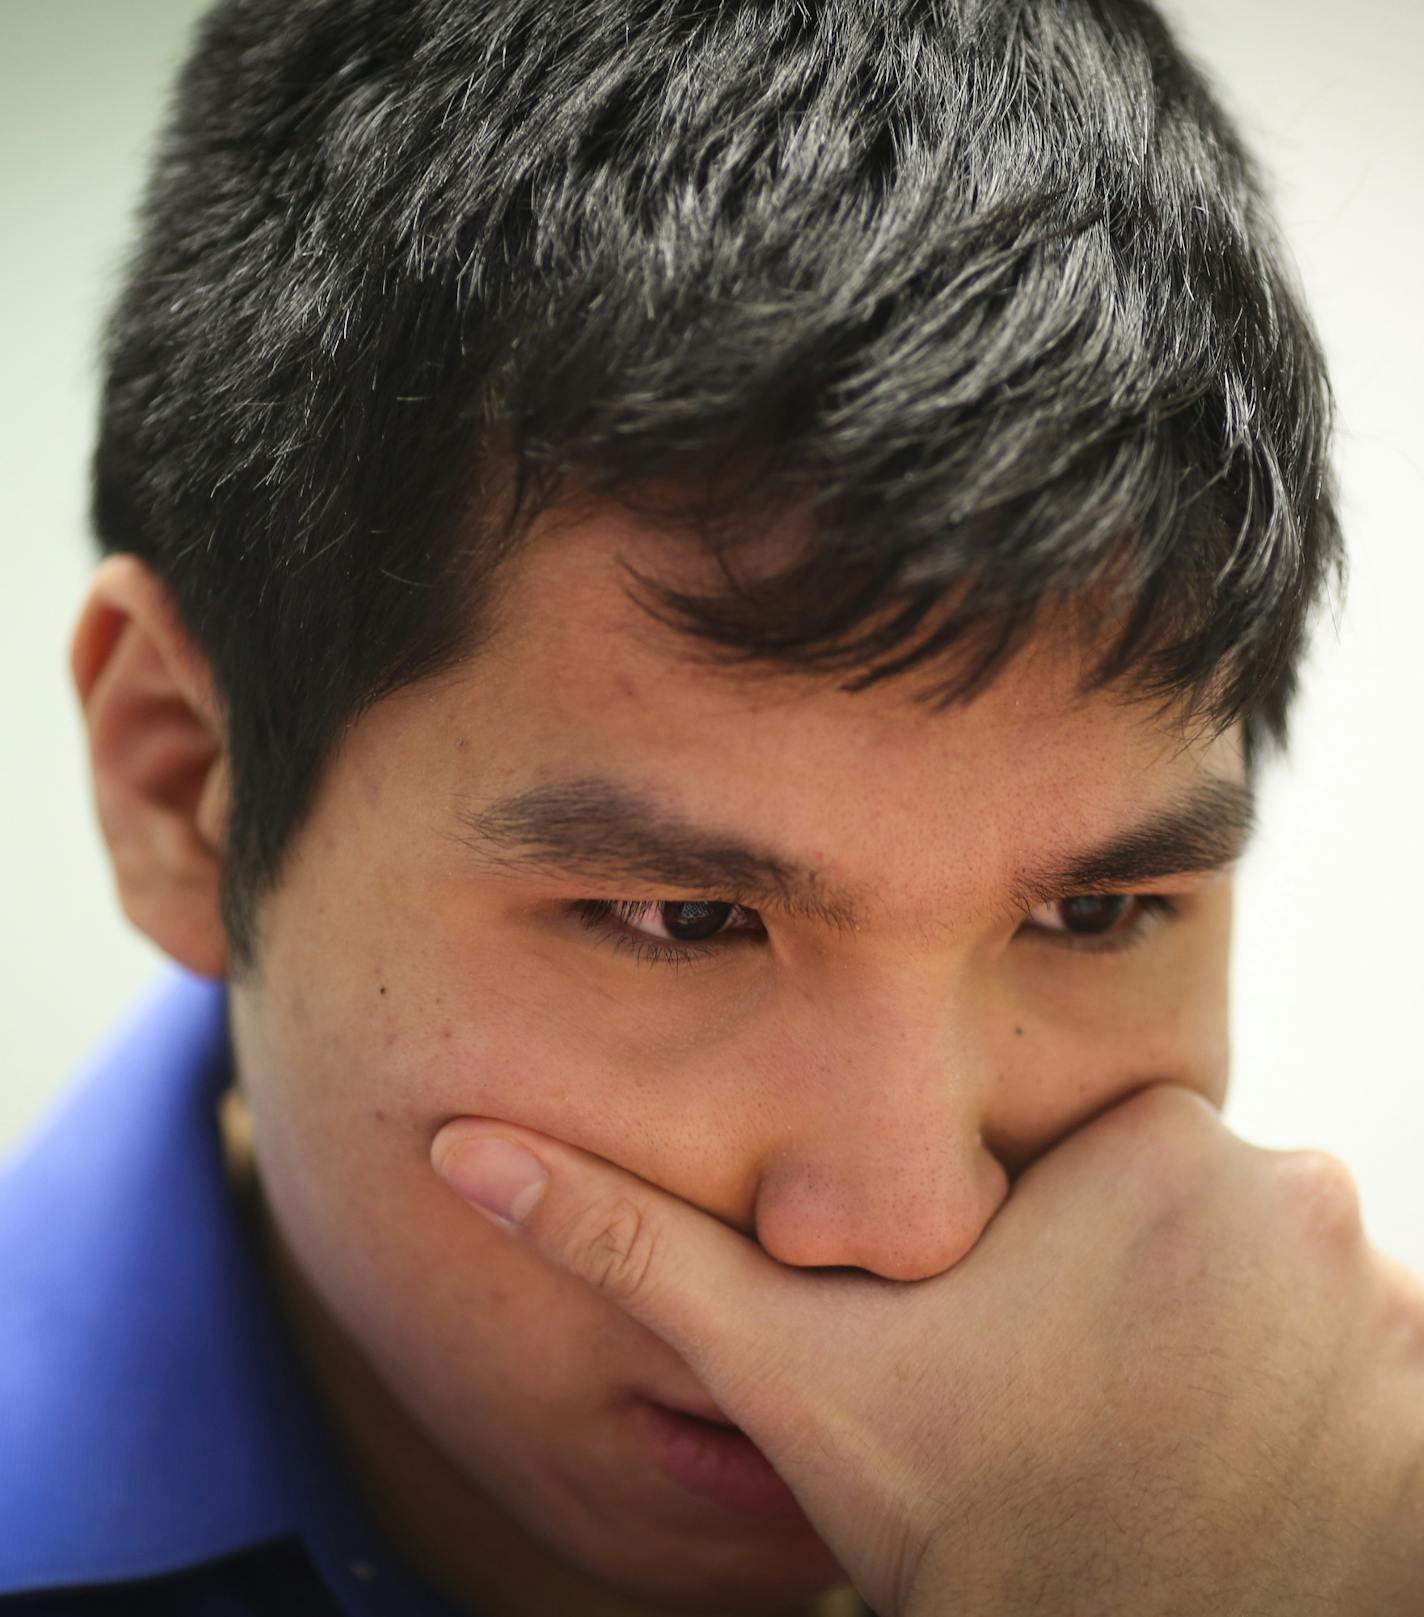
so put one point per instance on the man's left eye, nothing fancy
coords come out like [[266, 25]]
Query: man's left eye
[[690, 920], [1119, 916]]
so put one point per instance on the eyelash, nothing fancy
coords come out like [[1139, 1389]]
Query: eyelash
[[598, 915]]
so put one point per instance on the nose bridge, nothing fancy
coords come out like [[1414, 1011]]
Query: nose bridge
[[883, 1167]]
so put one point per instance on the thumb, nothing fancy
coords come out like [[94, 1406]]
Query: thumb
[[732, 1312], [797, 1358]]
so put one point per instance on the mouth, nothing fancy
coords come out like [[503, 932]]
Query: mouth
[[709, 1414], [704, 1454]]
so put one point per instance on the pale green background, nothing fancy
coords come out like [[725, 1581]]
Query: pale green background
[[1329, 954]]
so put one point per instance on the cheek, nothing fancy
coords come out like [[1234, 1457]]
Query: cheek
[[1086, 1041], [342, 1131]]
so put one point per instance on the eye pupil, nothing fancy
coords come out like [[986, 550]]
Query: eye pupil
[[694, 920], [1095, 913]]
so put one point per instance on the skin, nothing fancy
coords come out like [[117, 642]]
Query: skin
[[854, 1097]]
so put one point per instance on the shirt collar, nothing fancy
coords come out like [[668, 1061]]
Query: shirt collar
[[154, 1412]]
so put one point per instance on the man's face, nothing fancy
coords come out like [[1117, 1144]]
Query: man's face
[[851, 1070]]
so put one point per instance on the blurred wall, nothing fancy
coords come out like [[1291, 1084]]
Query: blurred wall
[[82, 85], [1331, 930]]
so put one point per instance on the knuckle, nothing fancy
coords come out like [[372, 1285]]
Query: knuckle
[[612, 1246], [1322, 1191], [1403, 1297]]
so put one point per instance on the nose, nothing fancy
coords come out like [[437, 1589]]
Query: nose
[[886, 1168]]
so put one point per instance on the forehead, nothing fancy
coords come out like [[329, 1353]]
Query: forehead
[[577, 678]]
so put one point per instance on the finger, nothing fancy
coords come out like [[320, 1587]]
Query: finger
[[733, 1313]]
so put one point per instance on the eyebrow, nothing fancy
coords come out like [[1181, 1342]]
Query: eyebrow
[[1208, 829], [605, 832], [602, 831]]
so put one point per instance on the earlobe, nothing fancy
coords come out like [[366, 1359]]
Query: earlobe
[[158, 753]]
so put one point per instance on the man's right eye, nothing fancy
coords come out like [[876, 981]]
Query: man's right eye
[[668, 931]]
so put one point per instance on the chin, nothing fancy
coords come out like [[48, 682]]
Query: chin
[[712, 1571]]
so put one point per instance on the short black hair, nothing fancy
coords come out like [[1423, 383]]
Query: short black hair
[[986, 289]]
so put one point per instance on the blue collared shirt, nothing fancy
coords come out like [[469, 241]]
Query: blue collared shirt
[[161, 1449]]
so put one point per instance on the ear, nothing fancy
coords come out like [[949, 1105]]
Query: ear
[[157, 747]]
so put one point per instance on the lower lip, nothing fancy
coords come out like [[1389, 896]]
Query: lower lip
[[715, 1462]]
